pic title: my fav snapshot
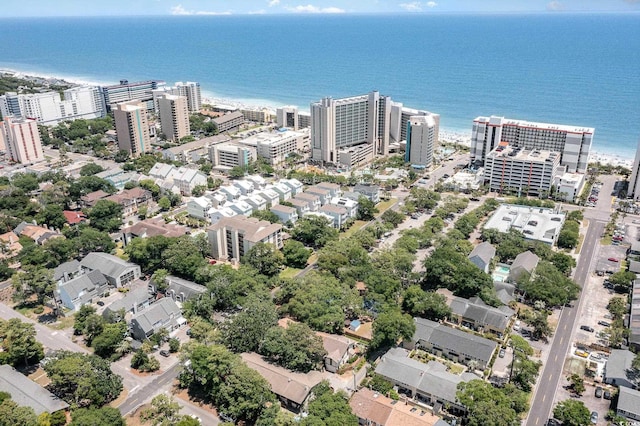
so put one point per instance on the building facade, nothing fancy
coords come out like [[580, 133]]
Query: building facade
[[275, 147], [231, 155], [132, 127], [287, 116], [174, 117], [21, 139], [141, 91], [634, 181], [191, 90], [233, 237], [572, 143], [421, 140]]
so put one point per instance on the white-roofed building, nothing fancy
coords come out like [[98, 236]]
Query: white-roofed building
[[258, 181], [283, 191], [187, 179], [295, 185], [215, 215], [270, 196], [246, 187], [231, 192], [350, 205], [256, 201], [241, 207], [536, 223]]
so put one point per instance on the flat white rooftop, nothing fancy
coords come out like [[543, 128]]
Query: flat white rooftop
[[536, 125], [536, 223]]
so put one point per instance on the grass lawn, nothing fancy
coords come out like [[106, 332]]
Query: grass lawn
[[63, 323], [289, 272], [606, 241], [579, 246], [385, 205], [354, 228], [312, 259]]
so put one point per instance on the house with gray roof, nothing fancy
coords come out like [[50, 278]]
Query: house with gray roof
[[372, 192], [629, 404], [322, 193], [118, 272], [481, 256], [478, 316], [27, 393], [333, 188], [285, 213], [162, 314], [618, 370], [82, 290], [339, 215], [313, 201], [448, 342], [506, 292], [429, 383], [181, 290], [134, 301], [524, 262], [66, 271]]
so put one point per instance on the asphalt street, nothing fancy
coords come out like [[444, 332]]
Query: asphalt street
[[147, 392]]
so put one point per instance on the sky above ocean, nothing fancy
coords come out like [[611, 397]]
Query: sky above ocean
[[573, 69], [24, 8]]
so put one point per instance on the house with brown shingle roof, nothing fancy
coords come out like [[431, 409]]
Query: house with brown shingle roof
[[9, 245], [39, 234], [372, 408], [151, 228], [131, 200]]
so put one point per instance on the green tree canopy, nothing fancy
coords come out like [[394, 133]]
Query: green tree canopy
[[296, 347], [420, 303], [314, 231], [103, 416], [295, 254], [245, 331], [390, 326], [366, 209], [572, 413], [18, 343], [266, 258]]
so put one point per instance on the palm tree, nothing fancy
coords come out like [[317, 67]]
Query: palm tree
[[124, 347]]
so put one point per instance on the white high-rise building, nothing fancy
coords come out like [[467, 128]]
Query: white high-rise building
[[634, 181], [192, 91], [174, 117], [21, 139], [421, 140], [400, 116], [287, 116], [338, 124], [573, 143]]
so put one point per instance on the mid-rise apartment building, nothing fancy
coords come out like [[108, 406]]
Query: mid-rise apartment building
[[174, 117], [231, 155], [229, 122], [141, 91], [132, 127], [21, 139], [572, 143], [287, 116], [263, 115], [421, 140], [524, 171], [232, 237], [276, 146]]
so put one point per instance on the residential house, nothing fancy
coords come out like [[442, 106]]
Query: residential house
[[162, 314], [350, 205], [258, 181], [118, 272], [451, 343], [339, 350], [89, 200], [322, 193], [301, 206], [286, 214], [231, 192], [135, 300], [283, 191], [199, 207], [312, 200], [83, 289], [162, 171], [241, 207], [131, 200], [9, 245], [333, 188], [256, 202], [430, 383], [27, 393], [245, 186], [374, 409], [181, 290], [475, 314], [39, 234], [618, 370], [523, 263], [233, 237], [372, 192], [506, 292], [481, 256], [118, 177], [629, 404], [67, 271], [294, 184], [152, 227], [270, 196], [216, 215], [339, 215], [74, 217], [292, 389], [187, 179]]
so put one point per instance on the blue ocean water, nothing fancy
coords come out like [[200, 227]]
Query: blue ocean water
[[577, 69]]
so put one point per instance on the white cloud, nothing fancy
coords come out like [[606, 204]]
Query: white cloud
[[181, 11], [555, 6], [415, 6], [257, 12], [274, 3], [431, 4], [315, 9]]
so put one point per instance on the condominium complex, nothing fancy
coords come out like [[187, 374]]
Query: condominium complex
[[524, 171], [232, 237], [141, 91], [174, 117], [572, 143], [634, 181], [350, 131], [132, 127], [21, 140], [421, 139], [229, 122], [50, 108], [287, 116], [276, 146], [262, 115], [189, 90], [231, 155]]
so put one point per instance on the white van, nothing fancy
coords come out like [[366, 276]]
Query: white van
[[516, 326]]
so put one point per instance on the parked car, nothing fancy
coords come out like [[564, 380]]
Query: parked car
[[586, 328], [598, 392], [613, 259], [604, 323], [164, 353], [581, 353], [100, 303], [501, 353], [607, 395], [594, 417]]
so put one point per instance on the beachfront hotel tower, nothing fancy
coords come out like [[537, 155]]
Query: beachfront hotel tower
[[141, 91], [132, 127], [21, 140], [174, 117], [342, 127], [421, 137], [571, 142], [634, 181]]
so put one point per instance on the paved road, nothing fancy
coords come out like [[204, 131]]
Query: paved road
[[144, 394], [542, 403]]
